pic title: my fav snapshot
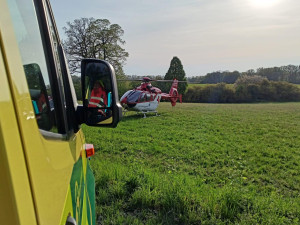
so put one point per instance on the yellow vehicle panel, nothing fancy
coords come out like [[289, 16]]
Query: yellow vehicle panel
[[15, 195], [39, 169]]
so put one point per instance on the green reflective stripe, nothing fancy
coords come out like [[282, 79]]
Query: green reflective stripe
[[77, 190], [83, 194], [90, 199]]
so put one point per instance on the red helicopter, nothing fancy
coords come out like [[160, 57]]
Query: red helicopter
[[145, 98]]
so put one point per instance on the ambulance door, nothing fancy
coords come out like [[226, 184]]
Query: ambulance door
[[45, 109], [16, 205]]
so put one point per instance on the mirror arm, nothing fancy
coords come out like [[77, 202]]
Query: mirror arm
[[80, 114]]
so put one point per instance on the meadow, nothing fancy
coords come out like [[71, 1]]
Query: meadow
[[200, 164]]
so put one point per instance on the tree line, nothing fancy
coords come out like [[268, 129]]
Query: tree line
[[246, 89], [289, 73]]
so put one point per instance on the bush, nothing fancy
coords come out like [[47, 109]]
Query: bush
[[247, 80], [212, 93], [284, 91], [246, 89]]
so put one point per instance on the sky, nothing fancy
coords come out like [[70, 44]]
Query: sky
[[206, 35]]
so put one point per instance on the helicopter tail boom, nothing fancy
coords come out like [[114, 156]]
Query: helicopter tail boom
[[173, 95]]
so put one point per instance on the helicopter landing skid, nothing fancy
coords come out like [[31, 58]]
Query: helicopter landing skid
[[145, 112], [124, 112]]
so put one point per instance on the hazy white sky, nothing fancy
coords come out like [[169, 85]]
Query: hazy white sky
[[206, 35]]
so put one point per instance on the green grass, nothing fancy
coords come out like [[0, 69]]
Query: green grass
[[200, 164]]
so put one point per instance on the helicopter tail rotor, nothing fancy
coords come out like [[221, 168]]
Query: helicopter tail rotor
[[173, 95]]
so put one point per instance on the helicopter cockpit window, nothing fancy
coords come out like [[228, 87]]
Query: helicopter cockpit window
[[127, 93], [134, 96]]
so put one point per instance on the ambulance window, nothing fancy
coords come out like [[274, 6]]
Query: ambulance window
[[36, 65]]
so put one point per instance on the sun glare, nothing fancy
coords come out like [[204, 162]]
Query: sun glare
[[263, 3]]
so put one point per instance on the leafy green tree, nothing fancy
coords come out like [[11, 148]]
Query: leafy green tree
[[216, 77], [176, 71], [195, 79], [245, 80], [213, 78], [94, 38], [230, 77]]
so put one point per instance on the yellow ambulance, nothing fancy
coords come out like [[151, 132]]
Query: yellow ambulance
[[45, 176]]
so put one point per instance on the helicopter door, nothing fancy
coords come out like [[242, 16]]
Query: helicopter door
[[151, 97], [142, 98], [148, 98]]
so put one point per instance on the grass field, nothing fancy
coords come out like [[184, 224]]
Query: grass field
[[200, 164]]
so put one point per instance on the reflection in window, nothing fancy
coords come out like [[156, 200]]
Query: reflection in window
[[33, 57]]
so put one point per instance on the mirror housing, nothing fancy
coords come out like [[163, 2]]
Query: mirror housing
[[101, 106]]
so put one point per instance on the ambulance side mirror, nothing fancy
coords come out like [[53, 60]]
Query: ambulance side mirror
[[101, 106]]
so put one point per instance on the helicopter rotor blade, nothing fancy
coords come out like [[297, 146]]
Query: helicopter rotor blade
[[179, 81], [129, 80], [151, 80]]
